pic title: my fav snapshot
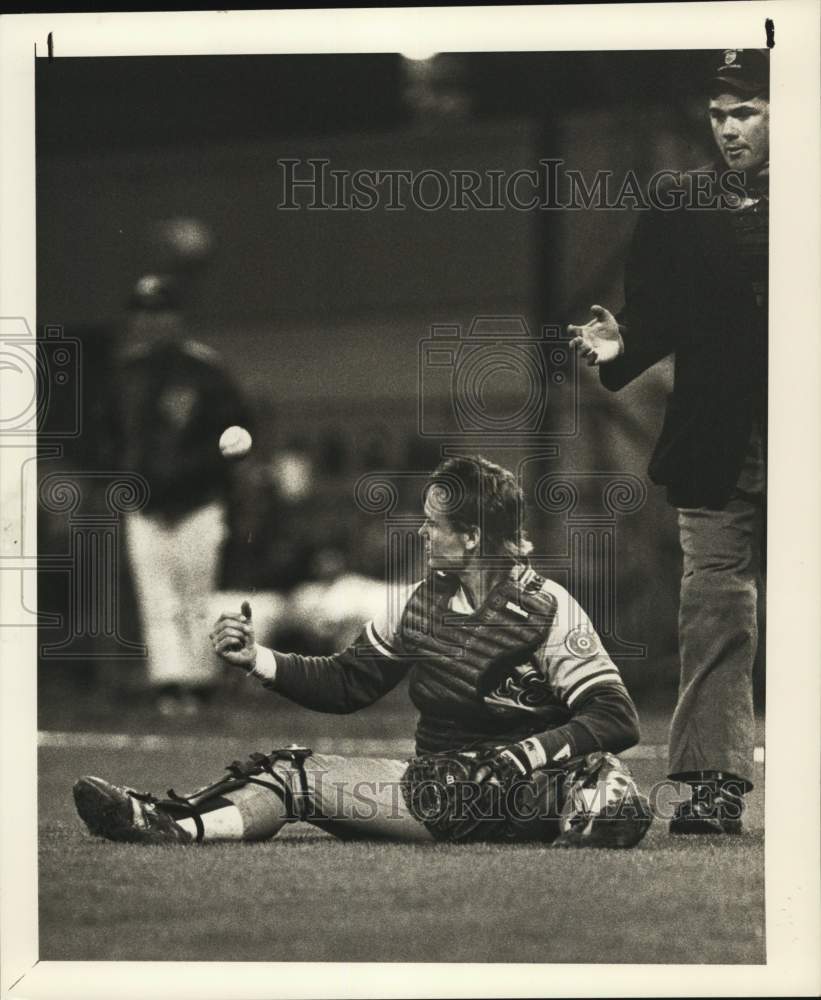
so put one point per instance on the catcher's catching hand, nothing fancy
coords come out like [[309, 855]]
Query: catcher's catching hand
[[599, 341], [511, 763], [233, 638], [466, 796], [441, 791]]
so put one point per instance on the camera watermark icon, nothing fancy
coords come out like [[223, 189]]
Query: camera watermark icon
[[42, 381], [497, 382], [40, 409]]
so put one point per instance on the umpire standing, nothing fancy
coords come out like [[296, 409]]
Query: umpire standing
[[696, 287]]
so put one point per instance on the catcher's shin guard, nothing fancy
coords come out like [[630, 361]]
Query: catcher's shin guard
[[259, 769], [602, 805], [139, 817]]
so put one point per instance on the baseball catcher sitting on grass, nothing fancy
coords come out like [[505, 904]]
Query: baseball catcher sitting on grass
[[520, 708]]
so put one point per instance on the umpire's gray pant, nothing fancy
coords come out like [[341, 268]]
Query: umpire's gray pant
[[713, 725]]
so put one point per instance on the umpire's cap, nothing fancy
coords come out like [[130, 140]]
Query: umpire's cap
[[741, 71]]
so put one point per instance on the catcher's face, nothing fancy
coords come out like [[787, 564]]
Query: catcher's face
[[741, 128], [446, 548]]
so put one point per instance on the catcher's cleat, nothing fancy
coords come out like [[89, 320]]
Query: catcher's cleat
[[121, 814], [621, 825], [720, 815]]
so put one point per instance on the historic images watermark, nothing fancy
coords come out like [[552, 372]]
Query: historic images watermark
[[316, 185], [333, 799]]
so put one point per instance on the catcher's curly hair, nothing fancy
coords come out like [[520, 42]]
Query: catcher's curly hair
[[473, 492]]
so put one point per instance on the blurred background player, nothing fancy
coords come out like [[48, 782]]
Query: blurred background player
[[696, 286], [175, 400], [327, 612], [500, 661]]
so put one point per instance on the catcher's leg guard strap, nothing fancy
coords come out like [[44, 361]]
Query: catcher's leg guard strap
[[175, 806], [258, 770], [195, 806], [296, 804]]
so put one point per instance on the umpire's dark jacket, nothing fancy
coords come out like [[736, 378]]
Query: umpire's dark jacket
[[687, 292]]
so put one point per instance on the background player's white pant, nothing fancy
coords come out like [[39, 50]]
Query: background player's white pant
[[176, 569]]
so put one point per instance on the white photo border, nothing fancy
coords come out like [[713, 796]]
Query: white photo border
[[792, 785]]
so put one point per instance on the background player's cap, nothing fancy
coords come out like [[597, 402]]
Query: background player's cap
[[741, 71], [155, 293]]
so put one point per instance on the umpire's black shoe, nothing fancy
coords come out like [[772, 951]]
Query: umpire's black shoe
[[120, 814], [716, 813]]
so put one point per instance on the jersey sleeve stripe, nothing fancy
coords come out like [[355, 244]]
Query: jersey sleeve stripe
[[607, 674], [377, 642], [594, 663]]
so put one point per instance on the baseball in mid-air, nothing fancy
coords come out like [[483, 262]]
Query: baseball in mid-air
[[235, 442]]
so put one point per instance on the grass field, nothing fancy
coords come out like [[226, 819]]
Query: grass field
[[305, 896]]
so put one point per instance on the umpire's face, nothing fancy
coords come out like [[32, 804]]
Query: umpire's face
[[446, 547], [741, 127]]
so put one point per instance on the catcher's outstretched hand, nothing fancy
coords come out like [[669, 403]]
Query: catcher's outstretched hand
[[599, 341], [233, 638]]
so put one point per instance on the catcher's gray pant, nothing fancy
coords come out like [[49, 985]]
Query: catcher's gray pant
[[361, 797], [713, 725], [347, 796]]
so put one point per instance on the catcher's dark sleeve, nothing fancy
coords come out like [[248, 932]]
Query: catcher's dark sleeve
[[653, 317], [606, 719], [342, 683]]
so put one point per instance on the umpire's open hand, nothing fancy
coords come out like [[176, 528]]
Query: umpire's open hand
[[233, 638], [599, 340]]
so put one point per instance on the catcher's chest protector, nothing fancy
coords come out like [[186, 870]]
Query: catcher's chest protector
[[461, 657]]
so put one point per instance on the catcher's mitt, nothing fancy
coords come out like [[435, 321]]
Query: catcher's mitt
[[441, 791]]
